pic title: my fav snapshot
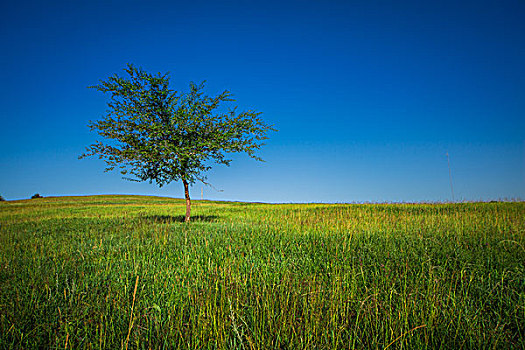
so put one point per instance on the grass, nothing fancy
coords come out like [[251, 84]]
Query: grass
[[107, 272]]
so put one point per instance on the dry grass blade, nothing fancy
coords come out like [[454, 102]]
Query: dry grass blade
[[402, 335], [131, 315]]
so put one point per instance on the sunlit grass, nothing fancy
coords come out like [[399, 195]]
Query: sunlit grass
[[260, 276]]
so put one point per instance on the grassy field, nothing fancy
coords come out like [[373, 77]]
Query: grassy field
[[108, 272]]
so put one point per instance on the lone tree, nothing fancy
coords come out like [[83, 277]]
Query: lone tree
[[159, 135]]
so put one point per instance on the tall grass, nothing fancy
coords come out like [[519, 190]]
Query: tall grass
[[126, 272]]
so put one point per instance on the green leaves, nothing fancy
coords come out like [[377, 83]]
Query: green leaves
[[159, 135]]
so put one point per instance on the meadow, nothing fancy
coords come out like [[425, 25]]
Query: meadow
[[109, 272]]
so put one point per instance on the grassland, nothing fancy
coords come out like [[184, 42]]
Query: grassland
[[108, 272]]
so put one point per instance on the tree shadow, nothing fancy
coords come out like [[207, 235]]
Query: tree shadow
[[170, 219]]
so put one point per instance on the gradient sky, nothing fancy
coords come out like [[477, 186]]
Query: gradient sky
[[368, 96]]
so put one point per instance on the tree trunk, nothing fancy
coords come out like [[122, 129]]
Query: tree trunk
[[188, 201]]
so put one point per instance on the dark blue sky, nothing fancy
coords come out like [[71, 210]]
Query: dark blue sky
[[368, 96]]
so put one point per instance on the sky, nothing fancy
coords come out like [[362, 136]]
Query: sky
[[368, 96]]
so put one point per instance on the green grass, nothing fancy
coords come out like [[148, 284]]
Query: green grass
[[126, 272]]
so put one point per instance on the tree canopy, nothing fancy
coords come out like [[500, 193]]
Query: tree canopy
[[156, 134]]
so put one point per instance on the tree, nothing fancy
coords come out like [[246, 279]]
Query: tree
[[159, 135]]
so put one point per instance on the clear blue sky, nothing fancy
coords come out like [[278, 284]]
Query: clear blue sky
[[368, 96]]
